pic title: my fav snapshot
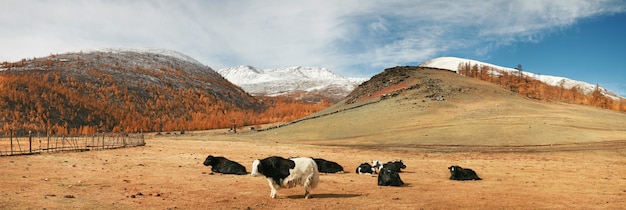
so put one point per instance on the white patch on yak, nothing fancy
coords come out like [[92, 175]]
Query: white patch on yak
[[305, 173], [255, 168]]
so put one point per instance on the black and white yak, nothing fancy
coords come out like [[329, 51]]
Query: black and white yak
[[326, 166], [365, 168], [287, 173], [397, 165], [225, 166], [388, 176], [459, 173]]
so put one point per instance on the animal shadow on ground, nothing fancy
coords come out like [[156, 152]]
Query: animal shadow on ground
[[404, 185], [325, 195]]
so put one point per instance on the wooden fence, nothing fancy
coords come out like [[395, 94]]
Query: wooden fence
[[35, 144]]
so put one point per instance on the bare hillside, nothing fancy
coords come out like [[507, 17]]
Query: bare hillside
[[411, 106]]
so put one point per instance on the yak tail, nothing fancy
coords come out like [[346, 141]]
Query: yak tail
[[314, 179]]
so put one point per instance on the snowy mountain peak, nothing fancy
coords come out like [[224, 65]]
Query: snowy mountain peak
[[307, 72], [240, 74], [280, 81], [243, 69], [452, 64]]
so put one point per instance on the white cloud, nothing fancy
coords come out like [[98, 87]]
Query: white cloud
[[380, 25], [342, 35]]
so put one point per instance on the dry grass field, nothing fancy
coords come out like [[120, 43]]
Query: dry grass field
[[530, 154], [168, 173]]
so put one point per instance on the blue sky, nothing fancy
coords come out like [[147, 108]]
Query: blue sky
[[591, 50], [579, 39]]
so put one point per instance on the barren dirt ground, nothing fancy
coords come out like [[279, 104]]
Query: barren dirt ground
[[168, 173]]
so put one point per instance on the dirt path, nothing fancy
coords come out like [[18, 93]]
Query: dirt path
[[573, 147], [168, 174]]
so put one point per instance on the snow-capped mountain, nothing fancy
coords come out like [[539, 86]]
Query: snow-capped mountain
[[452, 64], [155, 51], [281, 81]]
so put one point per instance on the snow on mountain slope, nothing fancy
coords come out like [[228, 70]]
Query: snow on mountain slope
[[452, 64], [287, 80], [165, 52]]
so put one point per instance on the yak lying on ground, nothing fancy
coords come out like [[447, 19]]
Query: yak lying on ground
[[365, 168], [458, 173], [224, 166], [388, 176], [287, 173], [398, 165], [377, 165], [326, 166]]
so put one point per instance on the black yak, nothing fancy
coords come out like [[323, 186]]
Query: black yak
[[459, 173], [326, 166], [365, 168], [224, 166], [388, 176]]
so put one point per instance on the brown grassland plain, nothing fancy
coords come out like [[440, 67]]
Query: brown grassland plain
[[530, 154], [168, 173]]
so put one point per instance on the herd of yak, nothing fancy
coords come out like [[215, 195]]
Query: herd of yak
[[290, 172]]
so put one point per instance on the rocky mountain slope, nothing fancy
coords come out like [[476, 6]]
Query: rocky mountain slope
[[291, 80]]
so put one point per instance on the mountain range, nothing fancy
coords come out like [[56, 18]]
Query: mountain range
[[154, 90], [291, 80]]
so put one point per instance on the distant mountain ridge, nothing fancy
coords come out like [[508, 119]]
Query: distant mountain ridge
[[452, 64], [289, 80]]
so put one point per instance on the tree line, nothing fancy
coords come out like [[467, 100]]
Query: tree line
[[532, 88]]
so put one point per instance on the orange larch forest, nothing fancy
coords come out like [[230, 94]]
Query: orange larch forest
[[535, 89], [47, 99]]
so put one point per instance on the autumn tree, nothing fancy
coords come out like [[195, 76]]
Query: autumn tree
[[536, 89]]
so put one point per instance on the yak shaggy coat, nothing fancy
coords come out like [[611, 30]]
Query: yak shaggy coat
[[287, 173]]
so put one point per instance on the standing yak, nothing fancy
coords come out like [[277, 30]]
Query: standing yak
[[287, 173]]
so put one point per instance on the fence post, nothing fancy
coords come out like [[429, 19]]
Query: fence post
[[11, 138], [30, 142]]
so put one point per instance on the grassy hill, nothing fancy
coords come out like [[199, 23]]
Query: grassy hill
[[412, 107]]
